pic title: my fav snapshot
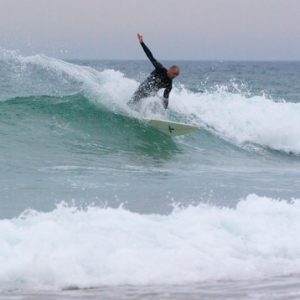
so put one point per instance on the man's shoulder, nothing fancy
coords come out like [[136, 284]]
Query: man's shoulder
[[161, 68]]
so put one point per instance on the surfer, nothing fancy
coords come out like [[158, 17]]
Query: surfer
[[160, 78]]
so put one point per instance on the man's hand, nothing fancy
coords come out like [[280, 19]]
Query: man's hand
[[140, 38]]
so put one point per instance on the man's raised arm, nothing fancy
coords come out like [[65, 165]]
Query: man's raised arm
[[155, 63]]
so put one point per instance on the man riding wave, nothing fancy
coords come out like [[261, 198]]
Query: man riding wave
[[160, 78]]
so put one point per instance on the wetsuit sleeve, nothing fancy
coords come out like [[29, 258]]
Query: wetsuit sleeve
[[166, 97], [155, 63]]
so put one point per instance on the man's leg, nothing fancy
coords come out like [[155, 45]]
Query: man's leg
[[137, 96]]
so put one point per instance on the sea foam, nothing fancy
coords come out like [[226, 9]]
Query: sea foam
[[244, 119], [104, 246]]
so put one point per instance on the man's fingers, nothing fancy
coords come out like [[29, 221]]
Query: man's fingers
[[140, 37]]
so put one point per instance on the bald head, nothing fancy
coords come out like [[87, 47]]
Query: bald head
[[173, 72]]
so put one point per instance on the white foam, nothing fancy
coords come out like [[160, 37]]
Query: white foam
[[242, 119], [114, 246]]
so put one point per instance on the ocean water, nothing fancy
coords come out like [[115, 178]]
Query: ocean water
[[95, 204]]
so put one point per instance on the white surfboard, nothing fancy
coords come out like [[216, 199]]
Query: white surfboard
[[170, 128]]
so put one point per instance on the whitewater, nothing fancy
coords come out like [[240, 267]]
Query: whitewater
[[89, 248], [93, 203]]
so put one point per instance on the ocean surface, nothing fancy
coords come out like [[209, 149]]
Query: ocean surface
[[96, 204]]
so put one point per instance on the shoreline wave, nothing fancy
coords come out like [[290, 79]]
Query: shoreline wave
[[106, 246]]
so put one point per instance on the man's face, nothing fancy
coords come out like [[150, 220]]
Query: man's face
[[173, 72]]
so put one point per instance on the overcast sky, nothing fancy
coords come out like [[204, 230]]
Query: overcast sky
[[173, 29]]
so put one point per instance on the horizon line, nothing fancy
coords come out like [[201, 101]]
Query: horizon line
[[186, 60]]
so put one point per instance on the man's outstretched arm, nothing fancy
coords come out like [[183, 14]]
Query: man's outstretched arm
[[155, 63]]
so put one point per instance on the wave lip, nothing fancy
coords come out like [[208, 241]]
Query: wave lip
[[94, 247]]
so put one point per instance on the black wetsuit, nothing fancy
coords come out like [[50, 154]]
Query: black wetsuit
[[157, 80]]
